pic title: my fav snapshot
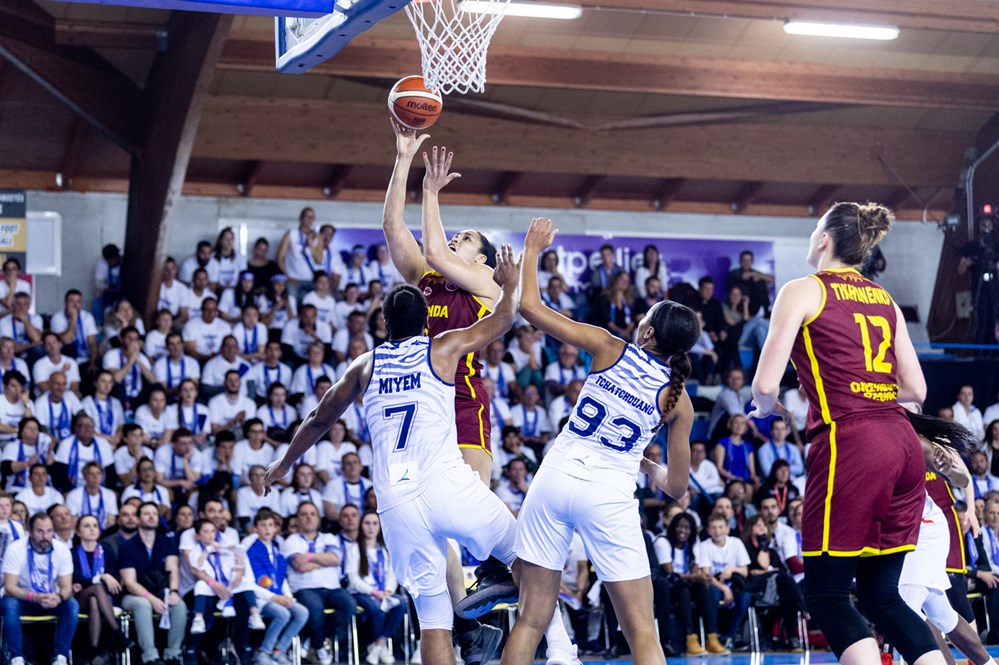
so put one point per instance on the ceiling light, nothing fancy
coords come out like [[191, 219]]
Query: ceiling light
[[849, 31], [528, 9]]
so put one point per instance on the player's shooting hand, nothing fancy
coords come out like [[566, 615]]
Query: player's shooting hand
[[407, 143], [540, 235], [275, 472], [438, 165], [507, 271]]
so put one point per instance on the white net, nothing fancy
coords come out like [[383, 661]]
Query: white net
[[454, 41]]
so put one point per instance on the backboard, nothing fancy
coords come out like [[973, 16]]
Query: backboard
[[298, 8], [301, 43]]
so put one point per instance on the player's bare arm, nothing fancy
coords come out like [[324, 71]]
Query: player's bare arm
[[473, 276], [403, 248], [603, 346], [453, 344], [673, 479], [334, 404], [908, 373]]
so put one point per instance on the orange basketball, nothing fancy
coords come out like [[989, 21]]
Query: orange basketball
[[413, 105]]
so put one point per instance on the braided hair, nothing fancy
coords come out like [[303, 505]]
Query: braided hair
[[676, 330], [946, 433], [405, 311]]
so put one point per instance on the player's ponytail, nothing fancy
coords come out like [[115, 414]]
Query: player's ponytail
[[946, 433], [676, 330]]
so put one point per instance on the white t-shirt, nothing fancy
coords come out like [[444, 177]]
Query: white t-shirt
[[81, 503], [555, 372], [343, 310], [249, 503], [311, 457], [221, 410], [217, 367], [207, 336], [195, 418], [665, 553], [37, 504], [243, 457], [708, 477], [190, 264], [325, 307], [785, 541], [155, 346], [521, 358], [732, 553], [48, 568], [10, 532], [15, 451], [124, 461], [188, 542], [299, 341], [252, 340], [283, 417], [386, 273], [11, 327], [85, 324], [262, 376], [172, 467], [98, 451], [160, 494], [330, 457], [327, 577], [290, 499], [108, 414], [171, 372], [10, 415], [513, 498], [57, 417], [45, 367], [20, 286], [153, 426], [22, 367], [502, 375], [304, 380], [229, 268], [530, 423], [173, 297], [115, 359], [341, 341], [337, 489]]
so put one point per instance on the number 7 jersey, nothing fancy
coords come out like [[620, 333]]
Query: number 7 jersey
[[845, 354], [613, 421], [410, 414]]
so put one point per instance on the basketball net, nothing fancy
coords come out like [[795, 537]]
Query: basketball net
[[454, 42]]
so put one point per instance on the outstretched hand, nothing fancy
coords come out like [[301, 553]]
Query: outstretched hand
[[438, 164], [507, 271], [778, 410], [276, 471], [540, 235], [407, 143]]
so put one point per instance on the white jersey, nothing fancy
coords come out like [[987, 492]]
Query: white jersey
[[410, 414], [613, 420], [926, 566]]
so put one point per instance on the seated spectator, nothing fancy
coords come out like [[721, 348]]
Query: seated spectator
[[311, 457], [204, 334], [122, 316], [990, 416], [224, 568], [329, 460], [9, 362], [613, 307], [130, 368], [302, 490], [94, 499], [39, 496], [688, 585], [94, 581], [705, 481], [356, 272], [180, 466], [723, 506], [174, 295], [512, 489], [377, 327], [55, 409], [783, 538], [15, 404], [321, 297], [152, 417], [25, 328], [730, 400], [779, 449], [202, 259], [710, 309], [252, 498], [349, 488], [149, 572], [652, 267], [267, 371], [650, 294], [548, 268], [11, 530], [228, 409], [559, 375], [351, 303], [77, 330], [222, 462], [967, 414], [300, 334], [526, 354], [215, 370], [356, 322], [501, 372], [742, 507], [765, 563], [63, 524], [531, 418], [778, 485], [75, 451], [321, 384], [304, 380], [277, 308], [12, 284], [561, 407], [981, 480], [30, 446], [236, 299], [54, 361], [107, 411], [603, 274], [253, 450], [355, 349], [511, 448], [145, 488], [374, 586], [987, 568], [499, 409], [189, 414], [734, 455], [382, 269], [753, 283], [38, 580], [703, 356], [555, 296], [231, 262], [722, 557], [269, 570], [251, 334], [325, 257], [155, 346], [277, 414], [173, 368]]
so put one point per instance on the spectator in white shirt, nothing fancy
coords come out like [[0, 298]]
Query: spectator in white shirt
[[55, 361], [14, 405], [9, 361], [128, 455], [189, 414], [24, 328], [322, 299], [705, 481], [321, 384], [991, 414], [179, 466], [12, 283], [304, 380], [357, 348], [301, 490], [500, 371], [228, 410], [561, 407], [146, 489], [982, 482], [967, 414], [77, 329], [499, 408], [235, 299], [356, 322], [652, 266], [94, 499], [56, 408], [351, 303], [30, 447], [251, 334], [215, 370], [329, 462], [526, 353], [173, 368], [559, 374], [122, 316], [277, 414], [75, 451], [204, 335], [39, 496], [511, 447], [107, 411], [531, 418], [152, 417], [202, 259], [797, 408], [199, 292], [277, 307], [129, 367], [720, 557], [174, 295], [300, 333], [356, 272], [349, 488], [513, 486], [555, 297], [155, 346], [231, 263], [267, 371], [382, 268], [253, 450], [251, 498]]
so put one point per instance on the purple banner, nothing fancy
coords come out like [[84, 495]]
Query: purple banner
[[687, 259]]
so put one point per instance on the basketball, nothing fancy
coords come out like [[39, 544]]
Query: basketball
[[413, 105]]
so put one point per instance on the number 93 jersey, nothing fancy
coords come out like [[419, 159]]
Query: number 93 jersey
[[613, 421], [410, 414]]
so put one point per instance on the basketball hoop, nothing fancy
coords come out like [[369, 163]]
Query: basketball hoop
[[454, 41]]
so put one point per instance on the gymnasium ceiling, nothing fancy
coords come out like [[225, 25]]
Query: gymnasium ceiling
[[680, 105]]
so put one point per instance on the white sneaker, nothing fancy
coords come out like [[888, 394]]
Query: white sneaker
[[558, 656], [58, 660], [257, 623], [386, 657], [374, 652], [198, 625], [228, 611], [414, 658], [325, 656]]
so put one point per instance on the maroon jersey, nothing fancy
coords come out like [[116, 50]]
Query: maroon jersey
[[452, 307], [939, 490]]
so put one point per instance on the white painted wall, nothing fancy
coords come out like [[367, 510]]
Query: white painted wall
[[90, 221]]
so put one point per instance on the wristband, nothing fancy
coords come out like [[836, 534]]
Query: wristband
[[146, 594], [31, 597], [309, 557]]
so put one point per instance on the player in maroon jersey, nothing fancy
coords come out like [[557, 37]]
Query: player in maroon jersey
[[865, 491]]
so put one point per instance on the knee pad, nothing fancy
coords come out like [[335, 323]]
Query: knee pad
[[435, 611]]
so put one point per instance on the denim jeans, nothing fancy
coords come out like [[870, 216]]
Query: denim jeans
[[285, 624], [66, 614], [142, 612], [739, 609], [316, 600], [382, 624]]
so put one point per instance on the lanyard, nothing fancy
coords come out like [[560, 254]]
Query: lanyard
[[346, 492], [132, 385], [41, 583], [284, 417], [105, 420], [91, 573], [993, 545], [60, 427], [778, 454], [500, 380], [267, 375], [356, 275], [250, 348], [781, 498], [700, 488], [74, 459], [215, 561], [603, 280], [18, 330], [21, 478], [362, 425], [613, 313], [378, 570], [194, 418], [88, 508], [170, 382], [972, 549], [173, 466], [312, 382], [80, 338], [797, 538], [143, 494], [303, 239], [530, 427]]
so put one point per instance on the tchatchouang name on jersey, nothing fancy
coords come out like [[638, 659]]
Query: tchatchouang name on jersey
[[395, 384], [869, 295], [624, 395]]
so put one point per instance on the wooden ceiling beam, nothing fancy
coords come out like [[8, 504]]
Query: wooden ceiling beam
[[505, 184], [898, 196], [586, 189], [667, 192], [241, 128], [821, 198], [97, 34], [71, 157], [334, 184], [746, 194], [620, 72], [248, 179]]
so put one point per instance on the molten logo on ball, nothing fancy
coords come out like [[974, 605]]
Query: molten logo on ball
[[421, 106]]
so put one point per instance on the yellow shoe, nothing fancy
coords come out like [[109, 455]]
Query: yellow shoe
[[694, 647], [714, 647]]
